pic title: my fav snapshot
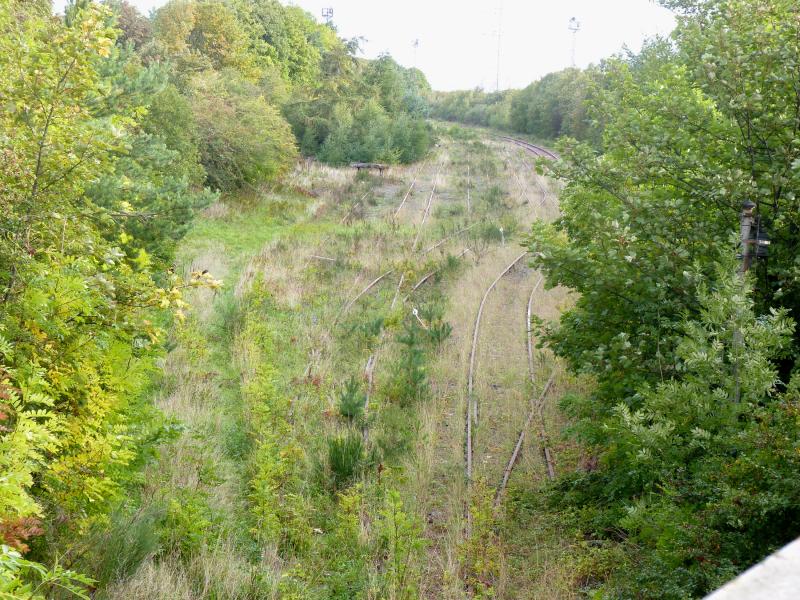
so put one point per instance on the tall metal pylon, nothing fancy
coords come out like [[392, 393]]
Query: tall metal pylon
[[574, 26], [499, 43]]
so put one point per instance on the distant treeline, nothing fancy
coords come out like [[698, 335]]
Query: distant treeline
[[552, 107]]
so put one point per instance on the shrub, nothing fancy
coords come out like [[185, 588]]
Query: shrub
[[243, 139], [409, 379], [351, 400], [187, 523], [16, 572], [345, 457], [401, 546]]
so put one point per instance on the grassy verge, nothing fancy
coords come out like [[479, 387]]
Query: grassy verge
[[317, 400]]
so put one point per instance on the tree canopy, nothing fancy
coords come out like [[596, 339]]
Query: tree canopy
[[115, 129], [695, 368]]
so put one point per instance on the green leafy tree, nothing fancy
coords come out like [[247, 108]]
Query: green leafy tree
[[200, 35], [553, 106], [698, 486], [286, 38], [691, 128], [155, 185], [134, 27], [243, 139], [218, 35], [77, 333]]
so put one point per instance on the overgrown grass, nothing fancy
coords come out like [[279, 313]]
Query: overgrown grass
[[287, 480]]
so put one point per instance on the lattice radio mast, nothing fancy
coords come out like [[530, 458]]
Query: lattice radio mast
[[499, 43], [574, 26]]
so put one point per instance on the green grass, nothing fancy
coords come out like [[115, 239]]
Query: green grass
[[271, 484]]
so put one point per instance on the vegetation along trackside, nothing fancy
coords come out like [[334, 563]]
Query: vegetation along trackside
[[281, 321]]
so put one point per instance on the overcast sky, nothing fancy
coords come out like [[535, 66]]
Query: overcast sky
[[458, 39]]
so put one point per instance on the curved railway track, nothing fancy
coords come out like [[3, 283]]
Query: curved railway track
[[532, 148], [537, 403], [536, 409], [472, 403], [537, 151]]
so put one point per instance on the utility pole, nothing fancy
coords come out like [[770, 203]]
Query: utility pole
[[574, 26], [327, 14], [499, 42], [746, 222], [754, 240], [415, 44]]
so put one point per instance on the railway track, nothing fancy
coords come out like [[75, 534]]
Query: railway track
[[414, 245], [472, 403], [372, 360], [536, 151], [532, 148], [537, 403], [408, 192], [536, 410]]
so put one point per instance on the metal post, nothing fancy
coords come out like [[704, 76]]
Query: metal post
[[574, 26], [469, 185], [746, 222]]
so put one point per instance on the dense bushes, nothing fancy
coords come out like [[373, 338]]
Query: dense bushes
[[78, 334], [244, 66], [547, 109], [474, 107], [554, 106], [344, 124], [370, 134], [243, 139], [692, 427]]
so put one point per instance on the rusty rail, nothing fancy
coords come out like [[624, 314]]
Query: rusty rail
[[472, 405]]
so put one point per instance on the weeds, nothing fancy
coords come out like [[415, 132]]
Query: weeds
[[345, 458], [351, 400], [480, 554], [125, 543], [408, 380], [401, 546], [188, 523]]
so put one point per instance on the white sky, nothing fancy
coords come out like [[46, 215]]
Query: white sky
[[458, 38]]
